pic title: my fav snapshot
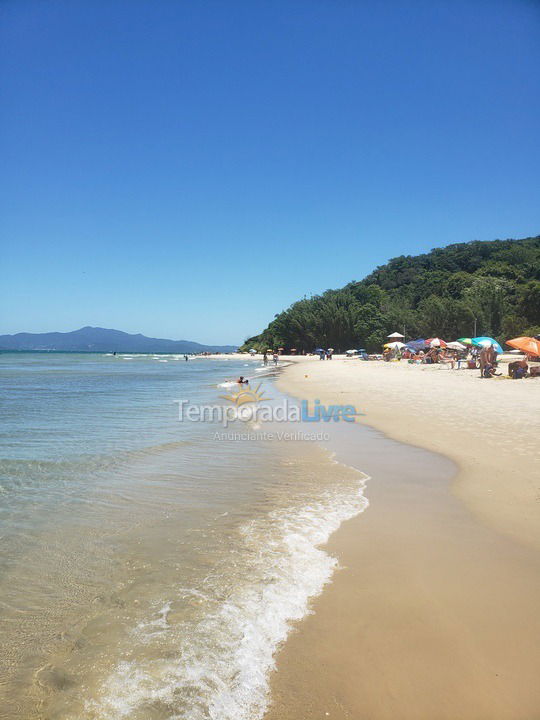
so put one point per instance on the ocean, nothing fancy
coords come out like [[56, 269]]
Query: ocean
[[151, 567]]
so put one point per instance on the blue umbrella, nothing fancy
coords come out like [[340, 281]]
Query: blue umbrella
[[484, 341], [416, 345]]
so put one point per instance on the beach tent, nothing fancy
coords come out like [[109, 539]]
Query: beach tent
[[528, 345], [395, 335], [456, 345], [484, 341]]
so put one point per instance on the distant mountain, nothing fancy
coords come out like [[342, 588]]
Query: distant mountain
[[96, 339]]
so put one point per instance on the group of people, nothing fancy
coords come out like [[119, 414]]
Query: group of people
[[326, 354], [482, 358], [275, 358], [487, 362], [433, 355]]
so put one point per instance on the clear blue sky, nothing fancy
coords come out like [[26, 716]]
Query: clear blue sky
[[186, 168]]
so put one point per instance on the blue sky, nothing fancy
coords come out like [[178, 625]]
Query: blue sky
[[187, 169]]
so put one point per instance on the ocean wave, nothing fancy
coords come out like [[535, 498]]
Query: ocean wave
[[223, 660]]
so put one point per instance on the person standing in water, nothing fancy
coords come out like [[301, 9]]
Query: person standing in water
[[265, 358], [275, 358]]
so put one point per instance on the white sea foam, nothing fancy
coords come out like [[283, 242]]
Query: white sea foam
[[224, 659]]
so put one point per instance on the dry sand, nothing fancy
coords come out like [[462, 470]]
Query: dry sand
[[490, 428], [435, 612]]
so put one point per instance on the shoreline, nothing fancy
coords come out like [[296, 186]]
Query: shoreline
[[434, 612], [488, 428]]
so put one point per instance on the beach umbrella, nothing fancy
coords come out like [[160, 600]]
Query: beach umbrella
[[436, 342], [318, 350], [351, 352], [528, 345], [455, 345], [395, 345], [484, 341], [416, 345], [395, 335], [466, 341], [252, 351], [330, 349]]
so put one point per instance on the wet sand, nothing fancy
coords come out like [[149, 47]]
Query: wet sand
[[434, 613]]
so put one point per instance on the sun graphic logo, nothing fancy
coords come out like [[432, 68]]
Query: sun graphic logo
[[245, 399]]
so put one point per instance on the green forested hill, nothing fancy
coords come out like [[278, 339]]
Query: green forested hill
[[493, 287]]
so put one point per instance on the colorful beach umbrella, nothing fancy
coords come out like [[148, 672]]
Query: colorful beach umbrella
[[465, 341], [395, 345], [528, 345], [484, 341], [436, 342], [416, 345], [455, 345]]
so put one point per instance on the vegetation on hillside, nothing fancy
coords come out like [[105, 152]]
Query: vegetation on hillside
[[476, 288]]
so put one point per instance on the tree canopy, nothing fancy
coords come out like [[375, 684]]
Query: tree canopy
[[484, 288]]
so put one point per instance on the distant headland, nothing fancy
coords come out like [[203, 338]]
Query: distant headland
[[96, 339]]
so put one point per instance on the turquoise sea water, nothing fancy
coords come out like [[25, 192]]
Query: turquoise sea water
[[149, 570]]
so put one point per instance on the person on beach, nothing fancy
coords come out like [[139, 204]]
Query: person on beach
[[518, 369], [265, 358], [448, 358], [483, 359], [492, 355], [275, 358]]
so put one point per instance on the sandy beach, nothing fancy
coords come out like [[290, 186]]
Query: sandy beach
[[434, 613]]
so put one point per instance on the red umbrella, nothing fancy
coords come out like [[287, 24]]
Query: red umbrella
[[436, 342]]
